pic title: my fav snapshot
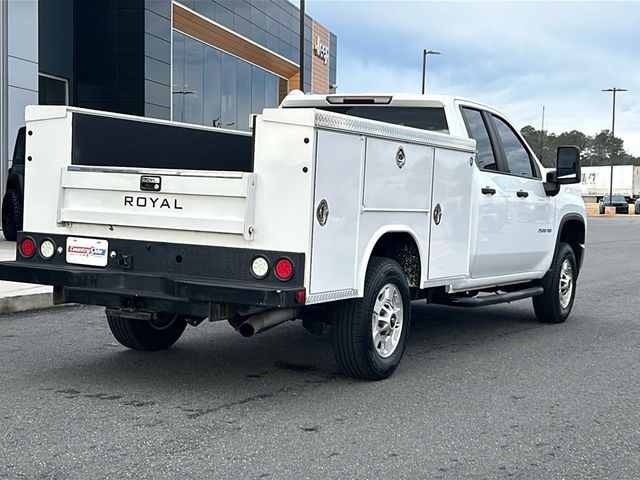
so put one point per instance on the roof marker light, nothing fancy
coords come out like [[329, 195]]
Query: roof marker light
[[359, 100]]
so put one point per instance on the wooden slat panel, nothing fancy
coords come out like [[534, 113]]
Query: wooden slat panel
[[197, 27], [283, 89], [294, 82]]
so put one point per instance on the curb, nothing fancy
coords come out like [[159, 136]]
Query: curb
[[24, 303]]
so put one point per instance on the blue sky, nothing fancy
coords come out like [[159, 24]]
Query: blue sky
[[515, 56]]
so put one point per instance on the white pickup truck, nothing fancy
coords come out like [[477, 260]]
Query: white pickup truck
[[337, 210]]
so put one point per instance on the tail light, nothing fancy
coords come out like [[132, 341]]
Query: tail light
[[284, 269], [27, 247], [301, 296]]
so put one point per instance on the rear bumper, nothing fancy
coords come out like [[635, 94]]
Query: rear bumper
[[620, 208], [132, 289], [159, 276]]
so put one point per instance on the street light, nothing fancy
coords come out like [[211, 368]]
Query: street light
[[613, 131], [426, 52]]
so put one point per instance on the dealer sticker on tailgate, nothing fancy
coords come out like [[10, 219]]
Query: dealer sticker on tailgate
[[87, 251]]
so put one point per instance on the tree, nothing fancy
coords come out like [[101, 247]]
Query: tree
[[596, 149]]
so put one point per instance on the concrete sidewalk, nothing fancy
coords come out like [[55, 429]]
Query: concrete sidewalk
[[18, 297]]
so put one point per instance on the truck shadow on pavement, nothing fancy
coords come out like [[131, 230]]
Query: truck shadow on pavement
[[214, 357], [213, 371]]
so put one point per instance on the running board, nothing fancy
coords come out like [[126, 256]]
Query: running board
[[491, 299]]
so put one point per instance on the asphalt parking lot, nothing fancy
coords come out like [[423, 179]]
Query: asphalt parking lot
[[488, 393]]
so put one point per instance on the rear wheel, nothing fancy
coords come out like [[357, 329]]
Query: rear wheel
[[369, 334], [555, 304], [11, 214], [149, 335]]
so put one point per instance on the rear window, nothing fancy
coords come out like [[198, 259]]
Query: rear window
[[425, 118], [616, 199]]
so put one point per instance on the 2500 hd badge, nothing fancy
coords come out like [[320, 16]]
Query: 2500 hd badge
[[151, 202]]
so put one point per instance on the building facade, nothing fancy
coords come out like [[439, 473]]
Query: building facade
[[209, 62]]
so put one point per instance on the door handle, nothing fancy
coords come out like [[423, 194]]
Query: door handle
[[522, 194], [489, 191]]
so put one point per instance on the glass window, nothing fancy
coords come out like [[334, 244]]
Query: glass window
[[212, 83], [257, 91], [425, 118], [244, 95], [518, 160], [193, 81], [52, 91], [478, 131], [271, 83], [213, 88], [614, 199], [229, 91], [178, 77]]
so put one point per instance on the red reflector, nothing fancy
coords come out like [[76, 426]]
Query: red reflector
[[301, 296], [284, 269], [27, 247]]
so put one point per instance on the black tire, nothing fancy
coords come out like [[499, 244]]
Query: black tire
[[147, 335], [637, 209], [11, 215], [351, 331], [601, 210], [548, 306]]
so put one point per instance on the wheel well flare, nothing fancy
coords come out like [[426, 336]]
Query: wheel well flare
[[573, 233]]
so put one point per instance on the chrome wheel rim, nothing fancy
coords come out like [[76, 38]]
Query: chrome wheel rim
[[566, 283], [387, 320]]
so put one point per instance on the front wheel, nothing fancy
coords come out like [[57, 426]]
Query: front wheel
[[369, 334], [148, 335], [555, 304]]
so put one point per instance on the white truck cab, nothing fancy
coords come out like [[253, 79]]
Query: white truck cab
[[337, 210]]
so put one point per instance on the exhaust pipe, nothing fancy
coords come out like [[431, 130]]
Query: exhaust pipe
[[266, 320]]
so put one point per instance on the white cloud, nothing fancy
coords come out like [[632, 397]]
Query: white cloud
[[516, 56]]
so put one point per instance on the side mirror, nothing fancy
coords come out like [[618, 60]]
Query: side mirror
[[568, 165]]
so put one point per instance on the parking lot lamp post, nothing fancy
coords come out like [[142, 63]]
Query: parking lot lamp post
[[426, 52], [613, 134]]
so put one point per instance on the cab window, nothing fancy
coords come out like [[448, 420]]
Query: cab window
[[516, 154], [477, 130]]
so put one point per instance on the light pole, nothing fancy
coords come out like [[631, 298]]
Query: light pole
[[302, 39], [613, 131], [426, 52]]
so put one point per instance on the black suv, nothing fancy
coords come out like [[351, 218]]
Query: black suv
[[13, 198], [618, 201]]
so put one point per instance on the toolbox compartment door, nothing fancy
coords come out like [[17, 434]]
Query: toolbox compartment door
[[451, 214], [337, 182]]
